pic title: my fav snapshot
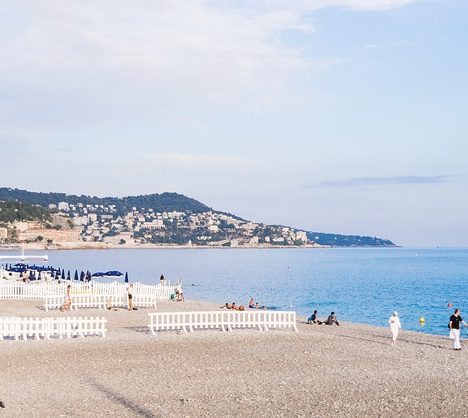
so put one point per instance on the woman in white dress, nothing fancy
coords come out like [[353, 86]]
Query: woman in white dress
[[395, 326]]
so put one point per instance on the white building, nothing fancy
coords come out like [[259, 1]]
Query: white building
[[63, 206]]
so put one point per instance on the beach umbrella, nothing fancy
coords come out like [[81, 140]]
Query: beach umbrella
[[114, 273], [63, 274], [126, 277], [68, 275], [98, 274], [76, 275], [82, 275]]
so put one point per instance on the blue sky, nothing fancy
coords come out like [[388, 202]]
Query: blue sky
[[342, 116]]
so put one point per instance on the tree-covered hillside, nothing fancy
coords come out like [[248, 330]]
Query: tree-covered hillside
[[164, 202], [337, 240], [19, 211]]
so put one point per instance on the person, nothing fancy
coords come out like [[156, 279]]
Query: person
[[162, 280], [179, 294], [251, 303], [67, 304], [312, 319], [395, 326], [257, 306], [233, 306], [130, 297], [454, 326], [332, 319], [227, 306]]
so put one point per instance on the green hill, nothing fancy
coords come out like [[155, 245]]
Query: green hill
[[164, 202], [16, 204]]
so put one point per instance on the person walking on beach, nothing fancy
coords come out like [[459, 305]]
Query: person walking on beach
[[130, 297], [454, 326], [67, 304], [395, 326]]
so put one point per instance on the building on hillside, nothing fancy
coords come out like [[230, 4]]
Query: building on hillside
[[3, 234], [63, 206]]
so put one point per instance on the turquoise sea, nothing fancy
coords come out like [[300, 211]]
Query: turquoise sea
[[361, 284]]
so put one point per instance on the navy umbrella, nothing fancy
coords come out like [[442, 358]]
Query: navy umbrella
[[126, 277], [21, 265], [98, 274], [68, 275], [76, 275], [114, 273]]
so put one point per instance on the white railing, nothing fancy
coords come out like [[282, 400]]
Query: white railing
[[64, 327], [100, 301], [41, 290], [224, 320]]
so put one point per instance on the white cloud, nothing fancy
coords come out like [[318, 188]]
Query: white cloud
[[224, 51]]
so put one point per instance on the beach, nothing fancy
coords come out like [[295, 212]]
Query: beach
[[320, 371]]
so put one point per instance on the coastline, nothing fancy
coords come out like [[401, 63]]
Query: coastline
[[106, 246], [349, 370]]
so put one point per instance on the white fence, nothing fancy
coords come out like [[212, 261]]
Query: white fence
[[41, 290], [64, 327], [224, 320], [84, 300]]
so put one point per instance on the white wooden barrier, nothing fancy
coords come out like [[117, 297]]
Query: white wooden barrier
[[83, 300], [224, 320], [14, 327], [40, 290], [77, 301]]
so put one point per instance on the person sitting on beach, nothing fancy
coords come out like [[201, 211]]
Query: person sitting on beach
[[233, 306], [332, 319], [257, 306], [227, 306], [241, 308], [312, 319], [251, 303]]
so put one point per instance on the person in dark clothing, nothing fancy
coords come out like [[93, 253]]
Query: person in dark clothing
[[454, 325], [313, 319], [332, 319]]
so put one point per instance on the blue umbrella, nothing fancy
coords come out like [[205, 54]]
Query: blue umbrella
[[21, 265], [114, 273], [68, 275], [98, 274], [126, 277], [76, 275]]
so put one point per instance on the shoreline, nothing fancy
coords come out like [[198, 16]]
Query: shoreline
[[102, 246]]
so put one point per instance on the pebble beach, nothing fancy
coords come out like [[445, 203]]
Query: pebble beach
[[321, 371]]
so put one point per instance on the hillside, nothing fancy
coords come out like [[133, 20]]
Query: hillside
[[164, 202], [338, 240], [11, 211], [160, 219]]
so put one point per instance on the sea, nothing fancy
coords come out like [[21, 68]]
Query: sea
[[362, 285]]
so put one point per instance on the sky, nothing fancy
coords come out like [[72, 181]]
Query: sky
[[344, 116]]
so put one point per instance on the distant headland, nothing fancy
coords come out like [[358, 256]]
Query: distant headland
[[166, 220]]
